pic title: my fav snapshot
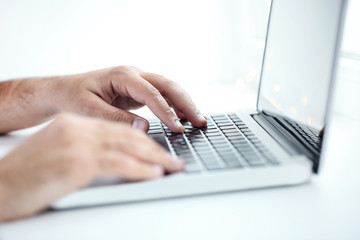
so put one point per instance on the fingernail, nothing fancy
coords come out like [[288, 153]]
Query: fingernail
[[201, 117], [140, 124], [178, 124], [158, 170]]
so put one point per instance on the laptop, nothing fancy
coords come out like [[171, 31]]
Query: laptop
[[276, 144]]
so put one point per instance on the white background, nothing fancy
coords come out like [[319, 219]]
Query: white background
[[202, 40], [214, 44]]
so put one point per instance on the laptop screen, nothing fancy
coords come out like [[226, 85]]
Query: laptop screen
[[299, 56]]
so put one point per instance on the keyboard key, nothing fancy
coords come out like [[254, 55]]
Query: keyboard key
[[218, 116], [186, 153], [200, 145], [221, 145], [236, 137], [241, 144], [230, 158], [154, 131], [256, 164], [227, 127], [215, 137], [207, 131], [212, 166], [213, 134], [224, 123], [232, 134]]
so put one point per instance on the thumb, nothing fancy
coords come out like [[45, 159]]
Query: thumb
[[112, 113]]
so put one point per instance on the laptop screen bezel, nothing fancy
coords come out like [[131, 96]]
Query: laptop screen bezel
[[334, 67]]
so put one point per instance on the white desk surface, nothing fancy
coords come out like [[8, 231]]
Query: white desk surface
[[326, 208]]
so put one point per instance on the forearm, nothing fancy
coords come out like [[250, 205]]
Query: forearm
[[24, 103]]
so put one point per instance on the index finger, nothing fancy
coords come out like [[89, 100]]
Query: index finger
[[178, 97], [143, 92]]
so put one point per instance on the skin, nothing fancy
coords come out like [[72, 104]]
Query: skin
[[75, 149]]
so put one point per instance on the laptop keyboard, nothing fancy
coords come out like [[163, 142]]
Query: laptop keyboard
[[225, 143], [310, 135]]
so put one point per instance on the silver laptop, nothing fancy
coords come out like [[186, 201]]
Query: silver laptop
[[277, 144]]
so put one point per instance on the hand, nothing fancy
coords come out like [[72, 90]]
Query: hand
[[109, 93], [68, 154]]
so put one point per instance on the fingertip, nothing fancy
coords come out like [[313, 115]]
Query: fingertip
[[158, 170], [179, 127], [173, 163], [200, 121], [178, 163], [201, 117]]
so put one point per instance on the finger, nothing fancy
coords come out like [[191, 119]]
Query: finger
[[178, 113], [104, 110], [125, 103], [143, 92], [140, 146], [177, 96], [147, 150], [114, 163]]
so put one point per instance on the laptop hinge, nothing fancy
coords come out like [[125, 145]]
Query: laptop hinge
[[287, 139]]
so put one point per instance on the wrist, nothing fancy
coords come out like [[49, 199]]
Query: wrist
[[43, 94], [59, 94], [24, 103]]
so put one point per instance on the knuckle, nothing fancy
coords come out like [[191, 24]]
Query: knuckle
[[74, 158], [121, 70], [153, 93], [169, 112], [133, 68], [126, 74], [65, 124], [107, 142]]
